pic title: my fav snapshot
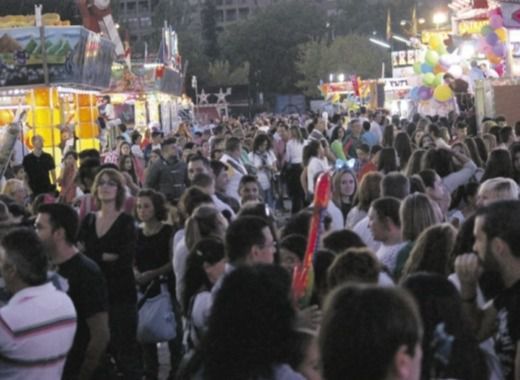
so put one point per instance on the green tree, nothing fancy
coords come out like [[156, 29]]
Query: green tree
[[209, 29], [269, 42], [221, 73], [351, 55]]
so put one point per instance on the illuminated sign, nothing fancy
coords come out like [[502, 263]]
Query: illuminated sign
[[472, 27]]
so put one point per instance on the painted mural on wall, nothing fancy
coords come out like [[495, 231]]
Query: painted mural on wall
[[74, 56]]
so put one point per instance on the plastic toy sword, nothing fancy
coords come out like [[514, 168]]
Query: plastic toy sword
[[303, 275]]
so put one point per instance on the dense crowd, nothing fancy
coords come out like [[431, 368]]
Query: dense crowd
[[192, 239]]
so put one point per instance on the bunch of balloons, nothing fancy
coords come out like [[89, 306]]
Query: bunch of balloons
[[437, 62], [493, 39]]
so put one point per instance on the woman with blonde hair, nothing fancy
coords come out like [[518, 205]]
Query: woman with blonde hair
[[344, 187], [417, 213], [16, 189]]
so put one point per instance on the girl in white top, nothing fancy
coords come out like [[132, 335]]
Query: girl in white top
[[315, 162], [264, 160]]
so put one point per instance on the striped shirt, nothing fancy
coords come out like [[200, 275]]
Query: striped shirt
[[37, 329]]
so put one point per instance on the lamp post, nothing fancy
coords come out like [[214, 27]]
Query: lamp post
[[195, 87]]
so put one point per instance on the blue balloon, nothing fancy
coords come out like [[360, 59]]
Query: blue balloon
[[492, 38], [414, 94], [425, 68]]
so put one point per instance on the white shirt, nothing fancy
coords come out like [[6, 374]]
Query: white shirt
[[387, 255], [137, 151], [294, 152], [236, 170], [354, 216], [365, 233], [315, 166], [180, 256], [262, 174], [37, 331], [336, 216]]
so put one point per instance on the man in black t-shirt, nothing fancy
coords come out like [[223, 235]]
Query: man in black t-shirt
[[497, 247], [57, 226], [38, 165]]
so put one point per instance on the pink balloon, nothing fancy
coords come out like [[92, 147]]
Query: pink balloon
[[496, 21], [487, 50], [500, 69]]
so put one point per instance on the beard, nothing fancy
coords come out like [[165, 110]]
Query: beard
[[489, 262]]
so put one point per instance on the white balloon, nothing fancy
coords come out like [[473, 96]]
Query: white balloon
[[456, 71]]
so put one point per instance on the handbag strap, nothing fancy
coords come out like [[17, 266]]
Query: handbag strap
[[146, 294]]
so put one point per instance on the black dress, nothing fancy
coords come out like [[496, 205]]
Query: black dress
[[120, 239]]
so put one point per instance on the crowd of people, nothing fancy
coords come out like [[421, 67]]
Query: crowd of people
[[416, 274]]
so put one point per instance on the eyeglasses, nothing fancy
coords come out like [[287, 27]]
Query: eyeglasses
[[110, 183]]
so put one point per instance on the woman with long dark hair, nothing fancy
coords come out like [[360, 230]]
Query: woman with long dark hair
[[250, 327], [499, 164], [153, 265]]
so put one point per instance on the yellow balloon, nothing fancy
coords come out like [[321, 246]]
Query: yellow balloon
[[435, 42], [443, 93], [502, 34]]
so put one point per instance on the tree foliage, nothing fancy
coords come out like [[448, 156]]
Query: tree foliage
[[221, 73], [351, 55], [269, 42]]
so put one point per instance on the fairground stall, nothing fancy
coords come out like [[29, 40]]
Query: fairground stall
[[150, 93], [55, 73]]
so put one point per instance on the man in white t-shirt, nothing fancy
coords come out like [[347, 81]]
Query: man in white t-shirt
[[385, 224]]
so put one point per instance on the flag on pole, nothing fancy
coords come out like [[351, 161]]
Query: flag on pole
[[388, 26]]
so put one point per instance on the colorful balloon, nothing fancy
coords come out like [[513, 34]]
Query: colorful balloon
[[486, 29], [456, 71], [302, 275], [435, 42], [425, 93], [496, 21], [438, 69], [443, 93], [414, 94], [428, 79], [439, 79], [502, 34], [432, 57], [494, 59], [499, 50], [425, 68], [492, 38]]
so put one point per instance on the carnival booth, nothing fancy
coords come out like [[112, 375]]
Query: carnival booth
[[54, 72], [494, 27], [147, 93]]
